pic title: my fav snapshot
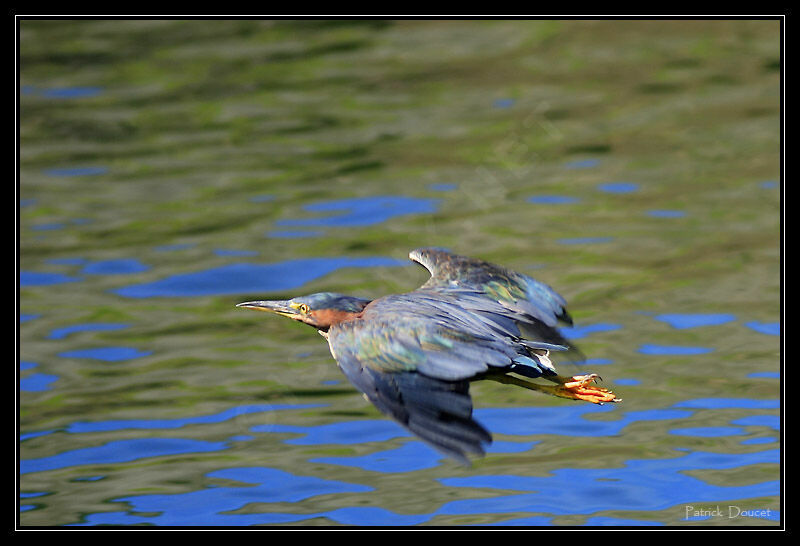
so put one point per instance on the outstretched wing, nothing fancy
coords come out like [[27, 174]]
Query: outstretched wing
[[534, 307], [415, 367], [438, 412]]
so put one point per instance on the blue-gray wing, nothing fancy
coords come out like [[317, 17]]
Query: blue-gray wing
[[515, 290], [438, 412], [533, 306], [413, 359]]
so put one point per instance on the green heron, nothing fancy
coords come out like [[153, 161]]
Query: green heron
[[413, 355]]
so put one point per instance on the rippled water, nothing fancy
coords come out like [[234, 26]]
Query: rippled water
[[170, 169]]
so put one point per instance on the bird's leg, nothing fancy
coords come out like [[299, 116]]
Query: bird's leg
[[578, 387]]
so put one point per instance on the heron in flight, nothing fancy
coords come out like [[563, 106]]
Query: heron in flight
[[414, 355]]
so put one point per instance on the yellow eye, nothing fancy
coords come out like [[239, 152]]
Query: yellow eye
[[303, 308]]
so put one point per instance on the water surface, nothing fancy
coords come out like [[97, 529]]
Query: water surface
[[171, 169]]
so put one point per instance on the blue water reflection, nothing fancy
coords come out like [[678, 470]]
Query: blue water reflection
[[765, 375], [708, 432], [409, 457], [122, 266], [562, 420], [619, 522], [165, 424], [769, 328], [38, 433], [107, 354], [209, 506], [35, 278], [694, 320], [224, 252], [174, 247], [31, 494], [618, 187], [770, 421], [728, 403], [598, 361], [578, 332], [77, 171], [48, 227], [443, 186], [341, 433], [652, 349], [62, 92], [61, 333], [553, 200], [363, 211], [37, 382], [585, 240], [246, 278], [294, 234], [533, 521], [72, 92], [641, 485], [567, 420], [159, 424], [758, 441], [119, 451], [582, 164], [666, 213], [412, 456], [503, 103]]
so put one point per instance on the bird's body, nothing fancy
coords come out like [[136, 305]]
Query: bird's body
[[413, 355]]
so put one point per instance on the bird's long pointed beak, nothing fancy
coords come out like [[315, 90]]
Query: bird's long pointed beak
[[277, 307]]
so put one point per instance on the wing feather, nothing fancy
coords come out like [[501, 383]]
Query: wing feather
[[437, 411], [533, 307], [517, 291]]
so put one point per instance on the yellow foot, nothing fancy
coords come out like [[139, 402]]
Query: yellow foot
[[580, 387]]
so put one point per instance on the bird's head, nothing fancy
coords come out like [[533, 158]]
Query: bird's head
[[321, 310]]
